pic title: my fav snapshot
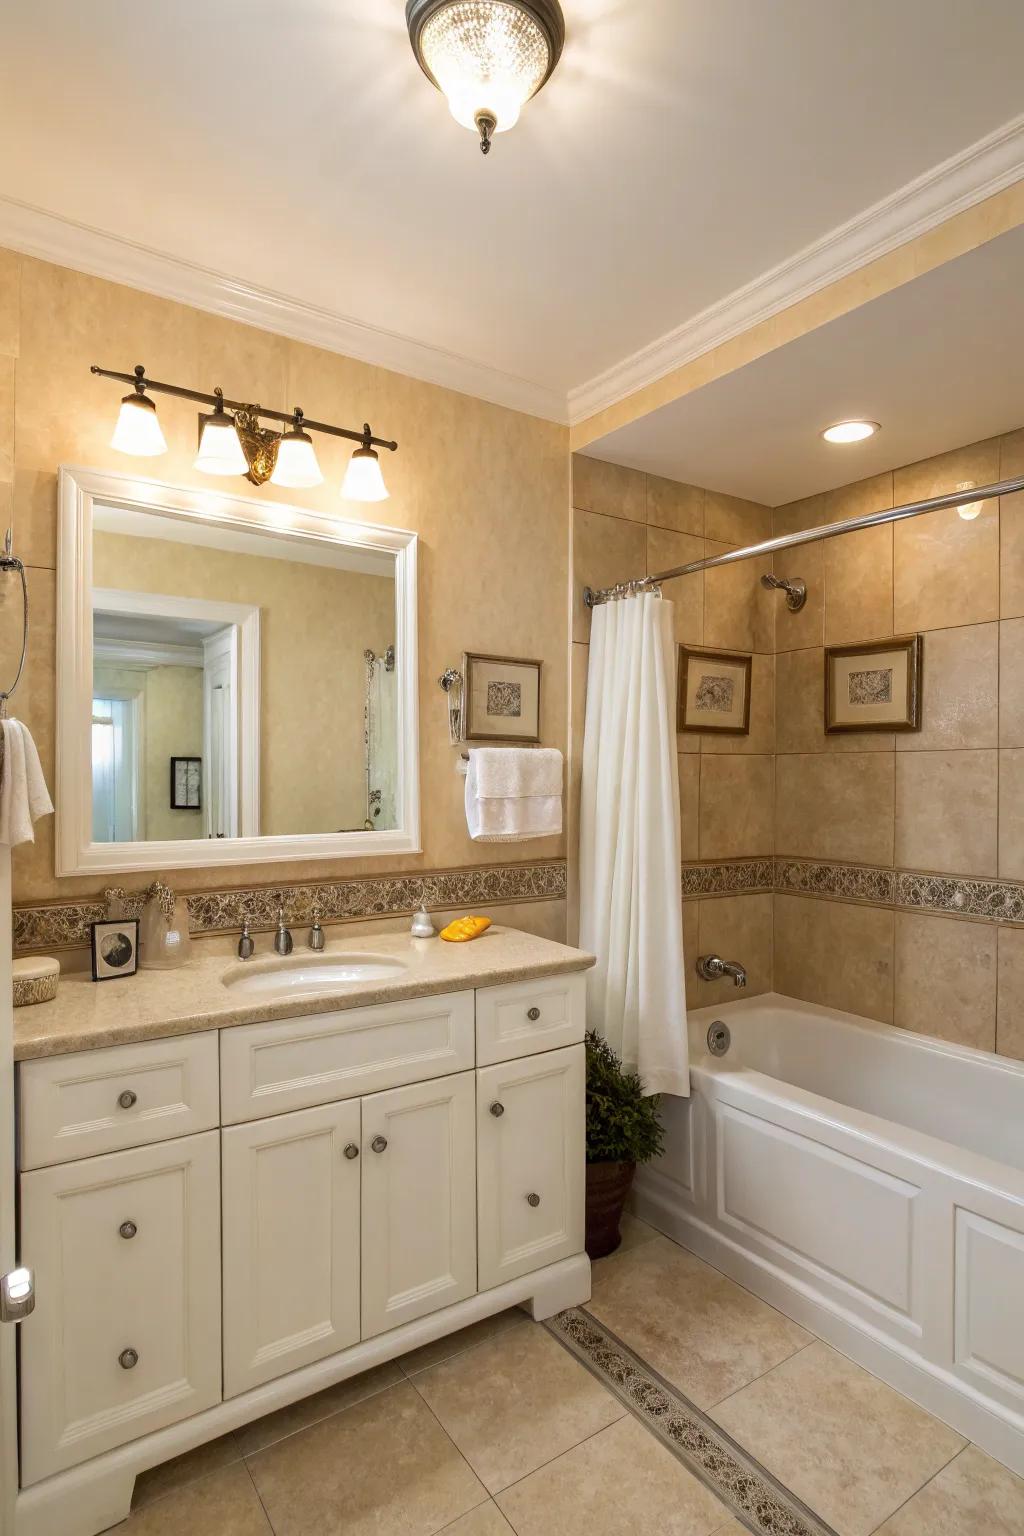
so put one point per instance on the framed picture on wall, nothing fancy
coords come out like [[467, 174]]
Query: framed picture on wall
[[713, 692], [875, 687], [502, 698], [186, 783]]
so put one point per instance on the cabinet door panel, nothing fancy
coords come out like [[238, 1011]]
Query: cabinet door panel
[[291, 1242], [532, 1169], [125, 1337], [419, 1201]]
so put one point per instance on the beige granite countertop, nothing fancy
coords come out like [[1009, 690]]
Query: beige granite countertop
[[87, 1014]]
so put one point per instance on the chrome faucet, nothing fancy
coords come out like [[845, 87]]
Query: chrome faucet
[[246, 943], [316, 934], [713, 968], [282, 938]]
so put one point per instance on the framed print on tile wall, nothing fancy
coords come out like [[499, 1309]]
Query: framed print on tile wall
[[502, 699], [874, 687], [713, 692]]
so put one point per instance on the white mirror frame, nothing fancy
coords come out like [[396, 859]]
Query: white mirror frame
[[79, 490]]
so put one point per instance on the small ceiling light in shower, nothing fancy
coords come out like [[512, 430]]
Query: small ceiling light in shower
[[220, 452], [850, 431], [970, 509], [297, 467], [363, 479], [488, 57]]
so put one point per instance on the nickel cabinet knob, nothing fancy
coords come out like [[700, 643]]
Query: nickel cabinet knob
[[379, 1143], [533, 1200], [128, 1098], [127, 1229], [497, 1110], [128, 1359], [533, 1014], [351, 1151]]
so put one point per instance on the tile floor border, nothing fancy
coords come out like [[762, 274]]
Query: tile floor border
[[757, 1499]]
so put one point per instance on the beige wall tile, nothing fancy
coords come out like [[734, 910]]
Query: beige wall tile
[[800, 710], [1011, 521], [7, 370], [1011, 681], [835, 954], [796, 516], [942, 473], [1011, 815], [10, 303], [608, 488], [605, 550], [946, 570], [665, 551], [960, 696], [1010, 995], [946, 811], [691, 945], [799, 631], [859, 586], [689, 805], [735, 806], [671, 504], [735, 521], [761, 736], [34, 515], [739, 614], [736, 928], [946, 978], [859, 497], [835, 806]]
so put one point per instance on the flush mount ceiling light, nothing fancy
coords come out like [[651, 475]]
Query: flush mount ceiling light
[[233, 440], [488, 57], [850, 431]]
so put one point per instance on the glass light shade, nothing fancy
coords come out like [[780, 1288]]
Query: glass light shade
[[138, 430], [850, 431], [220, 452], [970, 509], [296, 466], [487, 56], [363, 479]]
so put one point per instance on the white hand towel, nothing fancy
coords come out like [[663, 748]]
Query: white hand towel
[[24, 796], [513, 793]]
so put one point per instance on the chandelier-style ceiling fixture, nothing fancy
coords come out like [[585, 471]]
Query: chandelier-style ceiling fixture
[[487, 56], [232, 440]]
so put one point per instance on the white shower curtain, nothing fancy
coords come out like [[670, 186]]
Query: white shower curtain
[[630, 896]]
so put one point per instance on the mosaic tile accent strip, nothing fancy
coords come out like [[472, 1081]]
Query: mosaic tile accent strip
[[999, 900], [738, 877], [851, 882], [66, 925], [757, 1499]]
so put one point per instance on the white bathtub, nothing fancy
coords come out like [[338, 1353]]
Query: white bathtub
[[870, 1184]]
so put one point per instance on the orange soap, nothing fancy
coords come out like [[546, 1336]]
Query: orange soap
[[465, 928]]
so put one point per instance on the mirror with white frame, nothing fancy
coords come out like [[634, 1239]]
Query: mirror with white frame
[[236, 680]]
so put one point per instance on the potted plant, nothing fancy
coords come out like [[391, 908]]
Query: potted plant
[[623, 1129]]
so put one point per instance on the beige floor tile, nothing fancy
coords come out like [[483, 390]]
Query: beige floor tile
[[486, 1520], [702, 1332], [622, 1482], [185, 1469], [456, 1343], [313, 1410], [973, 1496], [516, 1402], [837, 1437], [383, 1468], [223, 1504]]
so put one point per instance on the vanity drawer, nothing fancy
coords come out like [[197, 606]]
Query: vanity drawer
[[126, 1096], [288, 1064], [529, 1016]]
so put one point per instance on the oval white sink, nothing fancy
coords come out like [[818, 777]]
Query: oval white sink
[[310, 975]]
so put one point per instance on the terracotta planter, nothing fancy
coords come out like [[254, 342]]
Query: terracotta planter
[[608, 1184]]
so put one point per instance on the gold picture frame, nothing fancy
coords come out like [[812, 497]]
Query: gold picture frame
[[713, 692], [874, 686], [502, 698]]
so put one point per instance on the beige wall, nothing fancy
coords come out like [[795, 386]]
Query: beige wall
[[172, 726], [315, 623], [486, 489]]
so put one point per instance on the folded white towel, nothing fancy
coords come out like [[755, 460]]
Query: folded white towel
[[24, 796], [513, 793]]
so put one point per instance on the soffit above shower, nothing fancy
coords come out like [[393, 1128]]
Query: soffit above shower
[[682, 150]]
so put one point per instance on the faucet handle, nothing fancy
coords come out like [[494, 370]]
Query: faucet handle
[[316, 932], [246, 944]]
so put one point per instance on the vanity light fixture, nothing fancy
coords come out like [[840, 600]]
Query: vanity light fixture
[[233, 441], [488, 57], [850, 431], [970, 509]]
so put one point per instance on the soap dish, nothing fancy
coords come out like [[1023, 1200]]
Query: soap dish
[[35, 980]]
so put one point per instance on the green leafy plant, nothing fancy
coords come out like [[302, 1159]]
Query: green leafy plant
[[622, 1125]]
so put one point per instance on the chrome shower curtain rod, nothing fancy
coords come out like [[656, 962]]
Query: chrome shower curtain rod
[[811, 536]]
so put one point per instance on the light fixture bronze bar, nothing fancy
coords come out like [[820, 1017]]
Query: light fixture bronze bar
[[959, 498], [139, 381]]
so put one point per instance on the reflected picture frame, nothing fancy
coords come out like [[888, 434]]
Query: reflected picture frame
[[874, 686], [713, 692]]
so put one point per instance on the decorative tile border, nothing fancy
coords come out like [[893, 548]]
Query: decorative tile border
[[997, 901], [757, 1498], [737, 877], [850, 882], [63, 925]]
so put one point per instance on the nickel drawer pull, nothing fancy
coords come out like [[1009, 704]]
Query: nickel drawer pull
[[128, 1359], [533, 1200], [379, 1143], [351, 1151], [128, 1098], [127, 1229], [497, 1109], [533, 1014]]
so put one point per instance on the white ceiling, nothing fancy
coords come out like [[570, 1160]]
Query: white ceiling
[[683, 148], [938, 362]]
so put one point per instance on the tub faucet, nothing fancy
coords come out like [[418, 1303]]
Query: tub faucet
[[713, 968]]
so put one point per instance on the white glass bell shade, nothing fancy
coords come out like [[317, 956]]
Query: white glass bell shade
[[138, 431], [363, 480], [220, 452], [297, 467], [487, 56]]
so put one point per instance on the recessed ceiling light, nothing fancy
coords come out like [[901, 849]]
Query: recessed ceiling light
[[850, 431]]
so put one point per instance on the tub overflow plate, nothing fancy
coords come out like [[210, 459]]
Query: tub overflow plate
[[719, 1038]]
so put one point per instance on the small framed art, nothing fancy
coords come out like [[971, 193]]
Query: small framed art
[[713, 692], [186, 783], [115, 948], [502, 699], [874, 687]]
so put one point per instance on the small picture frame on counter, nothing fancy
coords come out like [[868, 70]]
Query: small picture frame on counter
[[502, 699], [115, 948]]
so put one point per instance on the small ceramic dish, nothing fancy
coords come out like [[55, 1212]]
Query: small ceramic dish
[[35, 980]]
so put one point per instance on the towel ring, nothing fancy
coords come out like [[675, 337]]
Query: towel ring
[[9, 562]]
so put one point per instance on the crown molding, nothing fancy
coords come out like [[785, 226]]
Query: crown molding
[[34, 232], [969, 177]]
